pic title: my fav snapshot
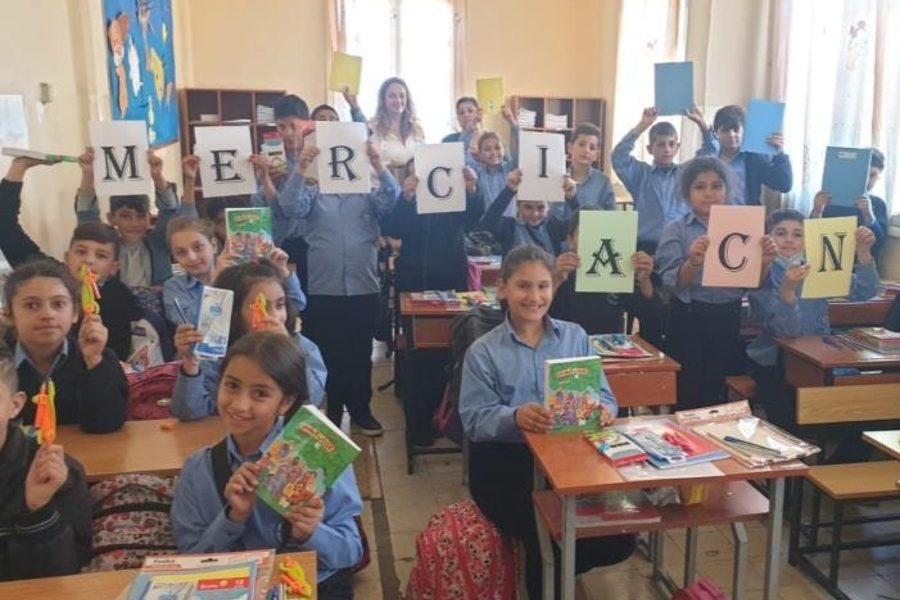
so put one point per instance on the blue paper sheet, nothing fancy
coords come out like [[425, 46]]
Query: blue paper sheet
[[764, 118], [846, 174], [674, 87]]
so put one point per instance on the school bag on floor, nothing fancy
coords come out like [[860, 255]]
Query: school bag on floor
[[702, 589], [131, 521], [460, 554], [150, 392]]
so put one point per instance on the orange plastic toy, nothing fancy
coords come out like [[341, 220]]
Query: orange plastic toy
[[45, 415]]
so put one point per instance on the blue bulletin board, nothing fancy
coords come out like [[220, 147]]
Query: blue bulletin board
[[141, 65]]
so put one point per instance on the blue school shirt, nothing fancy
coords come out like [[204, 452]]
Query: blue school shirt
[[289, 190], [596, 191], [751, 171], [194, 396], [674, 250], [492, 181], [188, 290], [201, 526], [806, 316], [501, 373], [653, 189]]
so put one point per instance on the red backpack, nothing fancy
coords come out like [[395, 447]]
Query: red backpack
[[702, 589]]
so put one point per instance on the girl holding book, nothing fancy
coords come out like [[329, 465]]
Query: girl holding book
[[500, 397], [216, 508]]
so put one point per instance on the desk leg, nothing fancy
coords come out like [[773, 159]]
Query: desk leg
[[776, 523], [740, 560], [568, 547], [547, 559], [690, 555]]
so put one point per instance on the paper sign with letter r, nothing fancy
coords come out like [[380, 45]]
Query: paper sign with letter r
[[344, 165], [442, 187], [734, 256], [225, 168], [542, 158], [606, 241], [830, 253], [120, 158]]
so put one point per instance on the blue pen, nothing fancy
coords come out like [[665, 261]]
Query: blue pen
[[180, 311]]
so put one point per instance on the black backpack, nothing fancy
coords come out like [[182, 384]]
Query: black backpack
[[893, 319]]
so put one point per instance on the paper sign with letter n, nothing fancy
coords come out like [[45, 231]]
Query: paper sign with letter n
[[830, 253], [734, 257], [344, 165], [442, 187], [542, 158], [225, 168], [120, 158], [606, 241]]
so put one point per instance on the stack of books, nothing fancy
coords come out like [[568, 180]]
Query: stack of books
[[876, 338], [526, 118], [231, 575], [556, 122], [611, 443], [617, 346], [669, 445], [265, 114], [447, 298]]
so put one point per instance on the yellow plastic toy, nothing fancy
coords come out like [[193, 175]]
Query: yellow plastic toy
[[45, 415], [90, 291], [260, 312], [294, 578]]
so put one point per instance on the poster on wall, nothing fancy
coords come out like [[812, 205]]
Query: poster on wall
[[140, 62]]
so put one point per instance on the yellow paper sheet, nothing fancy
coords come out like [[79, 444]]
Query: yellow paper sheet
[[345, 72], [490, 94], [830, 252]]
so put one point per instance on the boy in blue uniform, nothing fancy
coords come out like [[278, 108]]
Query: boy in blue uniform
[[593, 186]]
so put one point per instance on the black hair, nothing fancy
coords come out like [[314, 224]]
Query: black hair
[[691, 169], [100, 233], [464, 99], [136, 202], [9, 376], [575, 220], [587, 129], [239, 279], [486, 136], [319, 108], [213, 207], [520, 255], [202, 226], [279, 357], [40, 267], [729, 117], [662, 129], [877, 160], [783, 214], [290, 105]]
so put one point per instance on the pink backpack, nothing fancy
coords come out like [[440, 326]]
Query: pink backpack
[[150, 391], [702, 589], [462, 555]]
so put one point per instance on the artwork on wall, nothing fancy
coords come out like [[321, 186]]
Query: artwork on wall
[[141, 65]]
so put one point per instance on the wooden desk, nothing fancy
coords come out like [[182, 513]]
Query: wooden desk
[[140, 446], [886, 441], [872, 313], [810, 362], [429, 325], [573, 467], [108, 584], [643, 382]]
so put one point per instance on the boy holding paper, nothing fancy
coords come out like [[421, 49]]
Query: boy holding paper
[[593, 186]]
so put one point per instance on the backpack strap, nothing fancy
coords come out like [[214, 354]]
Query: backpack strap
[[221, 468]]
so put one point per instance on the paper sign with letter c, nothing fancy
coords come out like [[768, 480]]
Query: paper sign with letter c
[[734, 256]]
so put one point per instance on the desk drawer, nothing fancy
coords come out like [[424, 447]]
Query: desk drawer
[[431, 332], [643, 389]]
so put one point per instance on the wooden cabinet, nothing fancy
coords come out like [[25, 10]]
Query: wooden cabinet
[[576, 110]]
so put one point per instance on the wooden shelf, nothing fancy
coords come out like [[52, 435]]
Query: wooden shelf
[[576, 110]]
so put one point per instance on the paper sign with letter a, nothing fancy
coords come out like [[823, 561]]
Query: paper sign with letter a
[[542, 159], [225, 168], [343, 162], [442, 187], [606, 241], [490, 94], [734, 257], [830, 253], [345, 72], [120, 158]]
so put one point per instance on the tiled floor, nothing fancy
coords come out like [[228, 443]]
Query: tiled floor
[[407, 501]]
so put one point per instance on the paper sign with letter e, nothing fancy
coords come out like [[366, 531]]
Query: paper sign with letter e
[[345, 72], [120, 158], [490, 94], [442, 187], [830, 253], [606, 241], [763, 119], [734, 257], [542, 159], [344, 166], [674, 92], [846, 174], [225, 168]]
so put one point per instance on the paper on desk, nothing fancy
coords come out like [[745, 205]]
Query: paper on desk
[[647, 472]]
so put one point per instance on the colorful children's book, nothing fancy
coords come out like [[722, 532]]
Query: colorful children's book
[[668, 444], [620, 508], [617, 346], [228, 576], [305, 459], [272, 148], [615, 446], [249, 232], [572, 392], [214, 322]]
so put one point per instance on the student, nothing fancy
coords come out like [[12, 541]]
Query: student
[[326, 112], [344, 291], [596, 312], [259, 391], [594, 187], [468, 115], [502, 384], [751, 171], [703, 321], [531, 225], [492, 165], [144, 260], [45, 506], [42, 303], [783, 313], [395, 127], [195, 387], [871, 210], [96, 245]]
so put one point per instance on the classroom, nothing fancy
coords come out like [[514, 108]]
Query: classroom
[[432, 299]]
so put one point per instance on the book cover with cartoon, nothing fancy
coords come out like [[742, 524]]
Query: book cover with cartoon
[[249, 232], [305, 459], [572, 392]]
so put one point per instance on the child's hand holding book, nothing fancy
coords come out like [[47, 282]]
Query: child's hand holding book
[[304, 518], [240, 492]]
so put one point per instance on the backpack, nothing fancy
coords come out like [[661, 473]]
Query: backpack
[[150, 392], [460, 554], [892, 323], [702, 589], [131, 521]]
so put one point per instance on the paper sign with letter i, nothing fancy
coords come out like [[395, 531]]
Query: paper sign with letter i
[[542, 159], [490, 94], [830, 253], [846, 174], [734, 256], [606, 241], [225, 168], [345, 72], [442, 187], [120, 158], [344, 165], [763, 119], [674, 91]]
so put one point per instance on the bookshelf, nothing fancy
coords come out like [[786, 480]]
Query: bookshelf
[[576, 110]]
